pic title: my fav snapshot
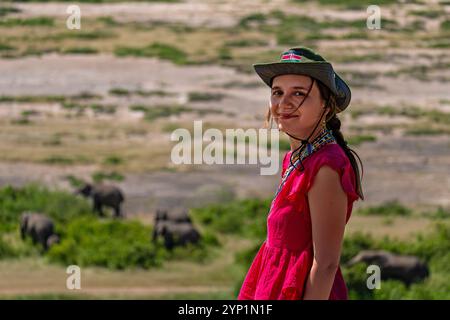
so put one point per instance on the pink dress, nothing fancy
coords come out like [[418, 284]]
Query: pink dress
[[281, 267]]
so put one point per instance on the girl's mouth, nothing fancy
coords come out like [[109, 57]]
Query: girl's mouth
[[288, 116]]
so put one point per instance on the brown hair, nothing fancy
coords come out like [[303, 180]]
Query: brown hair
[[333, 123]]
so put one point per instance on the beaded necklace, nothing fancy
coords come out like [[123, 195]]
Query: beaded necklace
[[324, 138]]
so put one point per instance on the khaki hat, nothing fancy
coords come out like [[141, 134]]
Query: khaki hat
[[304, 61]]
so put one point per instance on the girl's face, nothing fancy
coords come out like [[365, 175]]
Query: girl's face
[[287, 92]]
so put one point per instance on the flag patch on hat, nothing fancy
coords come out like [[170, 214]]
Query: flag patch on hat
[[290, 56]]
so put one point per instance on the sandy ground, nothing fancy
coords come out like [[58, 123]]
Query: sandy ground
[[217, 13], [419, 163]]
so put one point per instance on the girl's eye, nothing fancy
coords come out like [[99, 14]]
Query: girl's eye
[[297, 93]]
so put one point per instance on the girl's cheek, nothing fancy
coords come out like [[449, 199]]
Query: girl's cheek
[[273, 107]]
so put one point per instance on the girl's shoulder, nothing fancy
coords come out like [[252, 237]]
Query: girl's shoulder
[[331, 153]]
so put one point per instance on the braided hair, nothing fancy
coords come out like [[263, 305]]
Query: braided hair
[[334, 123]]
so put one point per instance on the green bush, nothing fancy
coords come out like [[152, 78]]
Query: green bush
[[357, 140], [243, 217], [35, 21], [389, 208], [61, 206], [160, 111], [205, 96], [6, 251], [6, 47], [158, 50], [5, 10], [100, 176], [103, 108], [245, 257], [354, 244], [80, 50], [118, 244], [74, 181], [112, 244], [82, 35], [113, 160], [119, 92]]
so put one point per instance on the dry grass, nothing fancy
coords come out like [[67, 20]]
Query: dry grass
[[402, 228], [84, 141]]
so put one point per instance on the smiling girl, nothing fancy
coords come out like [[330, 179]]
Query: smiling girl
[[299, 259]]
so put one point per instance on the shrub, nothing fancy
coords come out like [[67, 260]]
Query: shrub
[[99, 176], [205, 96], [113, 160], [80, 50], [35, 21], [158, 50], [243, 217], [160, 111], [112, 244], [6, 251], [389, 208], [61, 206]]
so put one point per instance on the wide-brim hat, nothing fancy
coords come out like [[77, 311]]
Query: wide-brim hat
[[304, 61]]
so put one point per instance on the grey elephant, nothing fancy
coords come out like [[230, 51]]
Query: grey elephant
[[408, 269], [164, 217], [179, 234], [177, 214], [39, 227], [104, 195]]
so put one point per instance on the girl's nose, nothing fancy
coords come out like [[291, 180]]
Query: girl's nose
[[285, 103]]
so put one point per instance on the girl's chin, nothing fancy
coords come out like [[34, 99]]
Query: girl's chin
[[287, 128]]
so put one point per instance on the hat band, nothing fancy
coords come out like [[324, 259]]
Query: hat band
[[290, 56]]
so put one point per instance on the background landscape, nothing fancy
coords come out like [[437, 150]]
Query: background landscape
[[100, 103]]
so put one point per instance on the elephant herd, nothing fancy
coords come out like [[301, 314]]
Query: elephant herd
[[174, 226]]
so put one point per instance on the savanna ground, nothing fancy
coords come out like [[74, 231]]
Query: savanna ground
[[101, 103]]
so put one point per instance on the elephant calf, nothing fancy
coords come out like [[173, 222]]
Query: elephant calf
[[408, 269], [104, 195], [39, 227]]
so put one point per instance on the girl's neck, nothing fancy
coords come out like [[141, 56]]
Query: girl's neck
[[296, 143]]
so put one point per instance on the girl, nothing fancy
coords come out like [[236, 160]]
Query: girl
[[320, 181]]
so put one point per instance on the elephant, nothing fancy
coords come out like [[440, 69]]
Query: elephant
[[39, 227], [181, 234], [103, 195], [164, 217], [177, 214], [408, 269]]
